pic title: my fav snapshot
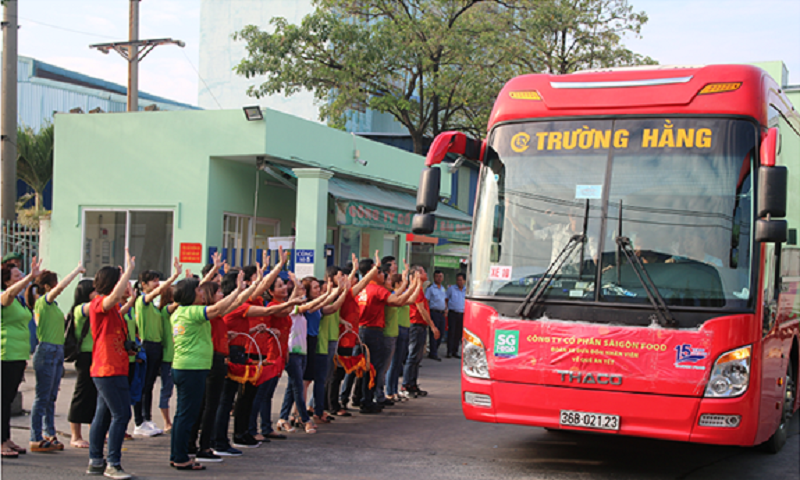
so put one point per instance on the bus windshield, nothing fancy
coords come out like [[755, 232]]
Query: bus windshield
[[679, 188]]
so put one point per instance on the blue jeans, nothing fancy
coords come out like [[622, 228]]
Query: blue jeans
[[389, 344], [416, 349], [398, 360], [294, 390], [48, 362], [190, 385], [373, 340], [112, 416], [441, 323], [166, 384], [262, 405]]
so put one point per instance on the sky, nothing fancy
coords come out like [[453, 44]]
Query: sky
[[678, 32]]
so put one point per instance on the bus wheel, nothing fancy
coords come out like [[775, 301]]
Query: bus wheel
[[778, 439]]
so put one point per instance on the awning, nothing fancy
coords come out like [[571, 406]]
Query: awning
[[365, 205]]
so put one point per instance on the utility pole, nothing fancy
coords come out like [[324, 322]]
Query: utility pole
[[8, 129], [133, 57], [134, 51]]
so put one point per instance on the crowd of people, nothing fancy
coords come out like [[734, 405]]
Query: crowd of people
[[222, 344]]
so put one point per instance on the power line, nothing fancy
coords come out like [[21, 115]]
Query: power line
[[201, 79], [63, 28]]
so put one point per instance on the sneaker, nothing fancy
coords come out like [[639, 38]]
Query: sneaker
[[207, 456], [418, 392], [229, 452], [246, 441], [152, 426], [144, 430], [96, 470], [116, 472]]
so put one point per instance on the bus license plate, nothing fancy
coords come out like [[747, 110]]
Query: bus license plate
[[589, 420]]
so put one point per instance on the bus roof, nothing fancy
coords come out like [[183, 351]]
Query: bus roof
[[644, 90]]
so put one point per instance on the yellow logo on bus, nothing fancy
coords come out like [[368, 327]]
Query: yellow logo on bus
[[520, 141]]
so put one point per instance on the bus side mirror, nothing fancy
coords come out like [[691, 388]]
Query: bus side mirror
[[772, 185], [427, 200], [771, 231], [428, 192], [423, 223]]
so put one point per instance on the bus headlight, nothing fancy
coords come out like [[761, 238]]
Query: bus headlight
[[731, 374], [474, 361]]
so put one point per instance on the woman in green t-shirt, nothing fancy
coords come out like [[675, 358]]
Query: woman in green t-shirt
[[84, 398], [193, 356], [14, 344], [48, 359]]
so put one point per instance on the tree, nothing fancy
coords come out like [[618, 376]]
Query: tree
[[562, 36], [434, 65], [35, 159]]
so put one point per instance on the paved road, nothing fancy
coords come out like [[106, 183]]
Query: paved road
[[426, 438]]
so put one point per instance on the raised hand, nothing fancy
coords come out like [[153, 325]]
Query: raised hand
[[240, 280], [80, 268], [36, 264], [377, 258], [355, 261], [178, 266], [130, 262]]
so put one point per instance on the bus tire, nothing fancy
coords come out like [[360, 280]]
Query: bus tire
[[778, 439]]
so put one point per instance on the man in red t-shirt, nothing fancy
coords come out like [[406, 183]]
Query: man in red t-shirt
[[420, 320]]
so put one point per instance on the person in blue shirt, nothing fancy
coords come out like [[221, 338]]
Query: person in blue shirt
[[437, 298], [455, 297]]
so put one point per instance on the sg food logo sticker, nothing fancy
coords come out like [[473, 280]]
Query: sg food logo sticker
[[506, 343], [520, 141]]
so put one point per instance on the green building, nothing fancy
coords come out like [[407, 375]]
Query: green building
[[186, 184]]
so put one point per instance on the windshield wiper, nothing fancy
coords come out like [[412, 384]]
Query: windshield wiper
[[665, 318], [544, 281]]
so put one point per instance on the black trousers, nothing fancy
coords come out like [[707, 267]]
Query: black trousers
[[335, 384], [84, 398], [244, 407], [455, 329], [211, 397], [13, 372], [142, 409]]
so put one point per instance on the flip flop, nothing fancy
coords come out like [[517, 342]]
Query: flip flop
[[79, 444], [191, 466], [10, 454], [18, 449], [276, 436]]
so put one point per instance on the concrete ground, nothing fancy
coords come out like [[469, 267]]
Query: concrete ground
[[426, 438]]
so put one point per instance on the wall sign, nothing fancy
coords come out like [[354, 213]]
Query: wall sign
[[191, 253]]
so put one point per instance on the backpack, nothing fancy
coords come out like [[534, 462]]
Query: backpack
[[72, 344]]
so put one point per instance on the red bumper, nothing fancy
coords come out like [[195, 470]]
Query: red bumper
[[653, 416]]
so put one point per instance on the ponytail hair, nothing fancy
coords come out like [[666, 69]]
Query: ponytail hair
[[83, 294], [45, 278]]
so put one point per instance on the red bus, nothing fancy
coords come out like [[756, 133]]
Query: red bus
[[632, 268]]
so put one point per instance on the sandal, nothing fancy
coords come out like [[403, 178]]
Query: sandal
[[275, 436], [79, 443], [322, 419], [9, 452], [42, 446], [310, 427], [17, 448], [285, 426], [188, 466], [54, 441], [343, 413]]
